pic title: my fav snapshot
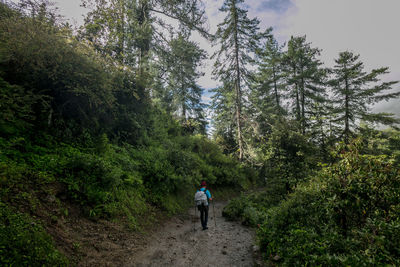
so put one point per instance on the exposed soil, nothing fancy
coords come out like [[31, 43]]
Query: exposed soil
[[178, 241], [85, 242], [93, 243], [182, 242]]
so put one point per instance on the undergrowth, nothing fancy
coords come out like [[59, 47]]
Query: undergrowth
[[114, 182], [24, 242], [345, 215]]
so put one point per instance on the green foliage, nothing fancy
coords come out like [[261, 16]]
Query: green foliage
[[250, 209], [101, 178], [42, 58], [269, 84], [289, 158], [76, 117], [377, 142], [305, 80], [99, 98], [354, 89], [182, 62], [238, 37], [24, 242], [16, 108], [116, 182], [347, 215], [178, 165], [92, 177]]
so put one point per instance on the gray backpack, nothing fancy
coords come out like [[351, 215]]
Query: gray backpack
[[200, 198]]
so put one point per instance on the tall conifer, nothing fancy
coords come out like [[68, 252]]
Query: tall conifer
[[304, 78], [183, 61], [238, 38], [354, 89]]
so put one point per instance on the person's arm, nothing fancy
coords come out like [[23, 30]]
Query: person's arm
[[209, 195]]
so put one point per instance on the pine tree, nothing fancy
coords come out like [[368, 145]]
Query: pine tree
[[269, 84], [238, 38], [267, 89], [130, 33], [115, 25], [305, 79], [184, 59], [223, 107], [353, 92]]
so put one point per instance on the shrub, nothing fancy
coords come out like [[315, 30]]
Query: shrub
[[90, 179], [250, 209], [24, 242], [347, 215]]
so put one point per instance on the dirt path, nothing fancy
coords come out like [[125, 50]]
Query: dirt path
[[177, 244]]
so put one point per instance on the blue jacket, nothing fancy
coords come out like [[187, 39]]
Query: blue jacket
[[207, 192]]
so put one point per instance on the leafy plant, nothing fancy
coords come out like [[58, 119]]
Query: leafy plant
[[347, 215], [24, 242]]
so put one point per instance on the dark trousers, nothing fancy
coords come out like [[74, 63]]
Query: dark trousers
[[203, 215]]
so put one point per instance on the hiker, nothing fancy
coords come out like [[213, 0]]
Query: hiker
[[201, 198]]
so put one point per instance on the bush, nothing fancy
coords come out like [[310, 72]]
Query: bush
[[347, 215], [91, 179], [250, 209], [177, 166], [288, 158], [24, 242]]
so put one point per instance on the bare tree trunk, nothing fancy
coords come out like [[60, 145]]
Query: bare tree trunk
[[298, 116], [347, 115], [303, 114], [143, 16], [121, 29], [276, 90], [238, 91], [50, 117], [183, 105], [239, 121]]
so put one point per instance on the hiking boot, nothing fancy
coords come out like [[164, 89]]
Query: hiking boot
[[205, 228]]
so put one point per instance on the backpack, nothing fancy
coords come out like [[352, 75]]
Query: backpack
[[200, 198]]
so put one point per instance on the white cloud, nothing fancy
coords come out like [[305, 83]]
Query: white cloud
[[366, 27], [72, 10]]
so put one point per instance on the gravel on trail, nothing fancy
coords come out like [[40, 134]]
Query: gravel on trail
[[182, 242]]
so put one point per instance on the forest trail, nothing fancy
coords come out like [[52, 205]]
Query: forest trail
[[177, 244]]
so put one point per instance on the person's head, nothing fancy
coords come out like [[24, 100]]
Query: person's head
[[203, 183]]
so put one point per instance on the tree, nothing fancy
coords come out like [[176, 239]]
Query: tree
[[354, 90], [269, 83], [183, 61], [238, 38], [130, 32], [305, 79], [223, 107], [129, 29], [39, 63], [267, 89]]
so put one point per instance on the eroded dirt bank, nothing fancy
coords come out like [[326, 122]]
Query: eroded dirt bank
[[181, 242]]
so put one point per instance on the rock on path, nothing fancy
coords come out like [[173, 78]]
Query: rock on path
[[177, 243]]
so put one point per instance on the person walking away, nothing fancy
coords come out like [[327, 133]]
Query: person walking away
[[202, 197]]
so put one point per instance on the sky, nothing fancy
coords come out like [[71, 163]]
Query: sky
[[366, 27]]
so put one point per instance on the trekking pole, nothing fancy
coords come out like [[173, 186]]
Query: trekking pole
[[215, 219], [194, 219]]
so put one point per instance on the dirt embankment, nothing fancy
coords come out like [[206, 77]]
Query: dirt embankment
[[182, 242], [179, 241]]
